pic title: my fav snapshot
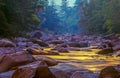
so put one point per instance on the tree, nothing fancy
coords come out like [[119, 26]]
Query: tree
[[50, 18], [19, 17], [101, 16]]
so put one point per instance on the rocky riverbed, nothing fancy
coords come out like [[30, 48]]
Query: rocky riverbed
[[60, 56]]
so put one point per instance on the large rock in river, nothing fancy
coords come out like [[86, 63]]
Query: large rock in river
[[78, 44], [34, 49], [40, 42], [9, 61], [109, 72], [116, 47], [6, 43], [49, 61], [117, 53], [106, 51], [34, 70]]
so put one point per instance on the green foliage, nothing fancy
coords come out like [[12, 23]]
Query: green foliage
[[109, 25], [35, 18], [17, 17], [3, 22], [102, 16]]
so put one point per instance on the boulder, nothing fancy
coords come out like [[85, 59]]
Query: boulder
[[73, 49], [68, 70], [10, 50], [106, 51], [22, 58], [34, 70], [34, 50], [117, 67], [115, 42], [86, 49], [79, 74], [109, 72], [37, 50], [37, 69], [43, 72], [61, 46], [7, 50], [26, 72], [22, 44], [58, 73], [7, 74], [11, 61], [25, 44], [1, 57], [52, 53], [6, 63], [6, 43], [36, 34], [111, 36], [93, 47], [49, 61], [83, 72], [116, 47], [20, 39], [63, 50], [78, 44], [40, 42], [117, 53], [56, 42]]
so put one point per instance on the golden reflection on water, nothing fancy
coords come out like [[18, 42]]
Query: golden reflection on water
[[87, 60]]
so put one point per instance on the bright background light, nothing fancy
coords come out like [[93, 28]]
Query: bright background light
[[58, 2]]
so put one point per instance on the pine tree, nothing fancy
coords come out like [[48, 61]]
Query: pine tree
[[51, 19]]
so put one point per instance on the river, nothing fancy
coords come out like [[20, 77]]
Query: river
[[85, 59]]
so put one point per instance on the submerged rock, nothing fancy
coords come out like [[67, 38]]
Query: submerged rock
[[106, 51]]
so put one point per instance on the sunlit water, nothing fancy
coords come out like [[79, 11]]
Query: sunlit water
[[87, 60]]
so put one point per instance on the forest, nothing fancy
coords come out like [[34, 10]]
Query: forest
[[59, 38], [93, 17]]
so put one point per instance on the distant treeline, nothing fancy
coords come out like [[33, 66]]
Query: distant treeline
[[17, 17], [100, 16]]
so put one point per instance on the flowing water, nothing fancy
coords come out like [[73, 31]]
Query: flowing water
[[87, 60]]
